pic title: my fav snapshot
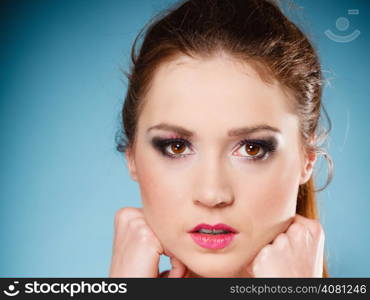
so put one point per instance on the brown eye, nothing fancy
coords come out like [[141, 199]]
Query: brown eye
[[177, 148], [252, 149], [172, 148], [256, 149]]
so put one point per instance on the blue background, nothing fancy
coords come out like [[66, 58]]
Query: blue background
[[61, 91]]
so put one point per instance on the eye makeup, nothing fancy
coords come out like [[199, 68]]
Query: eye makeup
[[161, 144], [267, 147]]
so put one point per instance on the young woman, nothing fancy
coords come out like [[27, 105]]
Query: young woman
[[221, 131]]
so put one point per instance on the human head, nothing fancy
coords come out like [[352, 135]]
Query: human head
[[227, 39]]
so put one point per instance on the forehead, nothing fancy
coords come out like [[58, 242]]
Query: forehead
[[218, 89]]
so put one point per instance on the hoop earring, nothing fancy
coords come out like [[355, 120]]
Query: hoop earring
[[330, 163]]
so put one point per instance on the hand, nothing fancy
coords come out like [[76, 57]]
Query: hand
[[136, 249], [297, 253]]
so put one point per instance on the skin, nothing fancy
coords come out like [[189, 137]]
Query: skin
[[209, 97]]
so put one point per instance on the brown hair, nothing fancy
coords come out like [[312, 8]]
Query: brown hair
[[255, 31]]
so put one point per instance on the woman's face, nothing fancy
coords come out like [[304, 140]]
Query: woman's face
[[181, 184]]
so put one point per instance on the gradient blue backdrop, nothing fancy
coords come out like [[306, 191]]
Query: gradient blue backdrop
[[61, 91]]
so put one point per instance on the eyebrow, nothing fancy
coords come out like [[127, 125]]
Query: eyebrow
[[232, 132]]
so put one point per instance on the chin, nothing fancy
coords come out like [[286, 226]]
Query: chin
[[211, 268]]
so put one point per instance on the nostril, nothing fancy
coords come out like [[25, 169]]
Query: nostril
[[213, 202], [221, 204]]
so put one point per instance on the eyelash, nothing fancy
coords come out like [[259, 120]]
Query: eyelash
[[268, 146]]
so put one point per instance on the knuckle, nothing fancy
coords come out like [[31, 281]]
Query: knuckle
[[297, 227], [139, 227], [143, 234], [281, 240], [265, 251], [281, 237], [123, 214], [316, 227], [120, 215], [317, 231], [135, 224]]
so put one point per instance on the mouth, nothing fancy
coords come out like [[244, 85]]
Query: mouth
[[213, 236]]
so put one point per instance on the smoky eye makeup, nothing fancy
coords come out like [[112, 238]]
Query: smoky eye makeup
[[258, 149], [162, 145], [255, 149]]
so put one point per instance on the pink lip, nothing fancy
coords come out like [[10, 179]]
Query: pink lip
[[218, 226], [210, 241]]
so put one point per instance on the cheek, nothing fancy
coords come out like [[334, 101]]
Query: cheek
[[162, 194], [271, 198]]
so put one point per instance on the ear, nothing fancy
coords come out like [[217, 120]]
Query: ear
[[131, 163], [309, 162]]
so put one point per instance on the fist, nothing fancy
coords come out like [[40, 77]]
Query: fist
[[298, 252], [136, 249]]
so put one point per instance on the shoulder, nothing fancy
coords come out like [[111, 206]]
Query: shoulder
[[164, 274]]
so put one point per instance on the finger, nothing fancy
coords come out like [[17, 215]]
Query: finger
[[178, 268], [306, 230], [125, 214], [314, 227], [258, 256], [298, 235], [301, 219], [281, 242], [249, 267], [317, 235]]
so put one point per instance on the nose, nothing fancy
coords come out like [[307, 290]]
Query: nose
[[212, 188], [213, 202]]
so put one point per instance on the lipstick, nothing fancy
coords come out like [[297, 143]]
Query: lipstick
[[213, 236]]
